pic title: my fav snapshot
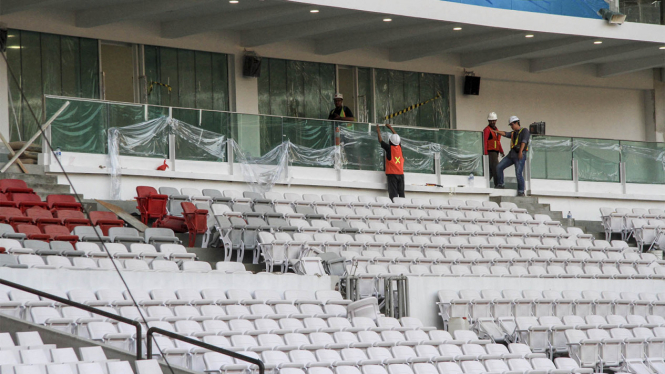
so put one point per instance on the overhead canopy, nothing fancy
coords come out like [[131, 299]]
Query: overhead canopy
[[418, 28]]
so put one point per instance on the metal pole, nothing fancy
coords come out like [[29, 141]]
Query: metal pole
[[229, 155], [576, 177], [528, 175], [172, 151], [622, 176], [437, 167], [34, 137], [486, 169]]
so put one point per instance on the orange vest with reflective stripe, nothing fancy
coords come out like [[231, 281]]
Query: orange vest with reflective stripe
[[396, 164]]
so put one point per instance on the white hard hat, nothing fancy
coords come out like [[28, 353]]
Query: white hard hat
[[492, 116], [395, 139], [513, 119], [338, 96]]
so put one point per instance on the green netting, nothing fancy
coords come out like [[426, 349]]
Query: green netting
[[121, 115], [644, 162], [365, 112], [157, 111], [551, 157], [190, 116], [597, 159], [80, 128], [296, 88], [203, 80]]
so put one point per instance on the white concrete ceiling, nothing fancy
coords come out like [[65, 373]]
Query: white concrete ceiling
[[419, 28]]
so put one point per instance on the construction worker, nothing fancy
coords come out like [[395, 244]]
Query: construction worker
[[519, 146], [394, 163], [341, 112], [492, 145]]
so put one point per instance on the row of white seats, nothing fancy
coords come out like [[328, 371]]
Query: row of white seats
[[116, 250], [359, 242], [472, 256], [87, 263], [494, 303], [376, 272], [32, 356]]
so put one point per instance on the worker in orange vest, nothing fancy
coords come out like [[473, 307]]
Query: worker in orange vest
[[394, 163], [492, 145]]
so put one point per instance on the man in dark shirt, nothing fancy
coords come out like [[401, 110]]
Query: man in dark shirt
[[394, 163], [341, 112], [519, 146]]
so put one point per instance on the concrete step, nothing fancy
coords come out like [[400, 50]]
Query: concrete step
[[31, 179]]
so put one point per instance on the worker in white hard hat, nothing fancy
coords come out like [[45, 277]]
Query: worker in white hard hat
[[394, 162], [492, 145], [341, 112], [519, 146]]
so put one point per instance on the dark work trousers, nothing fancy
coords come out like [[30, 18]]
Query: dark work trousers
[[395, 185], [494, 161]]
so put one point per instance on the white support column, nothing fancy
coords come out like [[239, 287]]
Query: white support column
[[4, 99], [659, 105]]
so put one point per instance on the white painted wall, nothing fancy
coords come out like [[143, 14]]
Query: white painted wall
[[568, 110]]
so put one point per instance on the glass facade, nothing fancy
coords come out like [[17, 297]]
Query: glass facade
[[46, 64], [189, 79]]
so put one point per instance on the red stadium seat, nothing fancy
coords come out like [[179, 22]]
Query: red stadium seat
[[32, 232], [28, 200], [60, 233], [195, 219], [13, 216], [177, 224], [63, 202], [42, 217], [11, 186], [151, 205], [72, 218], [105, 220], [5, 201]]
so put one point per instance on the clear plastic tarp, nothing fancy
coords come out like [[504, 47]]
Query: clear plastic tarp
[[151, 139]]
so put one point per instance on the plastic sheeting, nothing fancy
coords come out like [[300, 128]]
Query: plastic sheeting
[[360, 150], [574, 8], [151, 139]]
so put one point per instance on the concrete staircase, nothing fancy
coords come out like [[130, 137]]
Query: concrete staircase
[[532, 205], [43, 184]]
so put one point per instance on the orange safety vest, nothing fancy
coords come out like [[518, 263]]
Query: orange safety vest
[[396, 164]]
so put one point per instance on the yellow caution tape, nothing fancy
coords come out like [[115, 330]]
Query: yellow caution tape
[[412, 107], [152, 84]]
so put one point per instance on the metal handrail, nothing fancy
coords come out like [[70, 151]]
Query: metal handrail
[[139, 354], [201, 344]]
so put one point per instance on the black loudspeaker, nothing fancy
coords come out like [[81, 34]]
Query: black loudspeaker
[[537, 128], [471, 85], [251, 66]]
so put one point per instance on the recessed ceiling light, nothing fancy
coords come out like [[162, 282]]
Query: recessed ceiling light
[[598, 42], [663, 47], [314, 11], [387, 20], [457, 28], [233, 1], [528, 36]]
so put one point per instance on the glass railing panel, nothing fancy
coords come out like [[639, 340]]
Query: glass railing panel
[[157, 111], [597, 159], [189, 116], [360, 147], [551, 157], [418, 148], [644, 162], [121, 115], [461, 152]]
